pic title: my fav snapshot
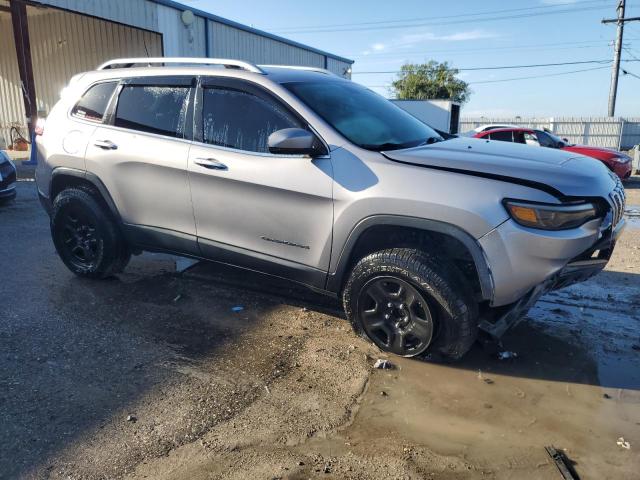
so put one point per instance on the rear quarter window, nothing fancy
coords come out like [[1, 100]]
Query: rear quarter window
[[94, 102]]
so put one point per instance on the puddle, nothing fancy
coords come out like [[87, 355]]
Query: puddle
[[575, 385], [632, 214]]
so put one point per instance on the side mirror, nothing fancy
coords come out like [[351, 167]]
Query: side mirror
[[295, 141]]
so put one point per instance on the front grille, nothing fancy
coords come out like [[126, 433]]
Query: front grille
[[617, 198]]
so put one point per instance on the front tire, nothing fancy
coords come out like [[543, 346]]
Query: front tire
[[86, 236], [410, 304]]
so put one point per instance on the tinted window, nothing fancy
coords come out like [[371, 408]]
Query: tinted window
[[153, 109], [94, 102], [518, 137], [545, 139], [551, 140], [236, 119], [364, 117], [501, 136]]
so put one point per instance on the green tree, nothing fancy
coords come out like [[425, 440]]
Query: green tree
[[430, 81]]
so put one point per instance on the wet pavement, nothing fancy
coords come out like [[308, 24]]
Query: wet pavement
[[156, 374]]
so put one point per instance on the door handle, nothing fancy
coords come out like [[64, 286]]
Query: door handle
[[105, 144], [211, 163]]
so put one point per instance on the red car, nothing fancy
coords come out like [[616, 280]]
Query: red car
[[617, 162]]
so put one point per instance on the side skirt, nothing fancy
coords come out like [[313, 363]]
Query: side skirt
[[178, 243]]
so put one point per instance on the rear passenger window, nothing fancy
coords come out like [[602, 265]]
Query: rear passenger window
[[154, 109], [501, 136], [94, 102], [240, 120], [518, 137]]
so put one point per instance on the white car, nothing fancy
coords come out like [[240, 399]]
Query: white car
[[491, 126]]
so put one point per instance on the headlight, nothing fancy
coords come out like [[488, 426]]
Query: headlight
[[550, 216], [622, 158]]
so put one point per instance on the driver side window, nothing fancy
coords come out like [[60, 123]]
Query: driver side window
[[236, 119], [531, 139]]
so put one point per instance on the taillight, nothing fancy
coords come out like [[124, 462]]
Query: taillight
[[39, 130]]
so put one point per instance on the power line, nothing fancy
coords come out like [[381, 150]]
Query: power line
[[620, 22], [541, 46], [539, 76], [519, 78], [322, 29], [626, 72], [422, 19], [502, 67], [628, 50]]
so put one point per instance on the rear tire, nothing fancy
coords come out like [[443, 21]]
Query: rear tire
[[86, 236], [410, 304]]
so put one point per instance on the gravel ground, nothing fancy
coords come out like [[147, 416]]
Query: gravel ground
[[156, 375]]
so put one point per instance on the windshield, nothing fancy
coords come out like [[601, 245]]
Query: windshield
[[556, 141], [362, 116]]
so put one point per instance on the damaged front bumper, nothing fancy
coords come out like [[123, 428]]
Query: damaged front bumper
[[496, 321]]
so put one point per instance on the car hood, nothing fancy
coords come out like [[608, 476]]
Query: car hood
[[589, 148], [557, 172]]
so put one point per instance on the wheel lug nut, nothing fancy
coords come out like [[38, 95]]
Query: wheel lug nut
[[387, 316], [390, 305]]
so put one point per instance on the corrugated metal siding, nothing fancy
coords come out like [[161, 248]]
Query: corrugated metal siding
[[11, 103], [137, 13], [339, 67], [63, 44], [229, 42], [180, 40]]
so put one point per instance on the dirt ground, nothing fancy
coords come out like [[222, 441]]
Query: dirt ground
[[196, 371]]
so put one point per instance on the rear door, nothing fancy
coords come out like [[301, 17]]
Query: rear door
[[270, 212], [140, 154]]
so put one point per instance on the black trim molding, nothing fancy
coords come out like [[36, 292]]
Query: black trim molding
[[335, 279], [492, 176]]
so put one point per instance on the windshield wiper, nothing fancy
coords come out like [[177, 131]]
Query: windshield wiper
[[431, 140], [400, 146], [385, 146]]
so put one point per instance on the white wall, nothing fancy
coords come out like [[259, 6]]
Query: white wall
[[436, 113]]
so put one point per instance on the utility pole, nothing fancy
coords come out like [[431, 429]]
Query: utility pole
[[617, 51], [620, 21]]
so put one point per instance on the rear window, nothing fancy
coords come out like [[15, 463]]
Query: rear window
[[94, 102], [154, 109]]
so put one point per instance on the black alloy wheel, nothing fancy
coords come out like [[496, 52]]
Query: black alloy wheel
[[80, 238], [396, 316], [86, 236]]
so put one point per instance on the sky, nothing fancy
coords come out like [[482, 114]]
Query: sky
[[382, 35]]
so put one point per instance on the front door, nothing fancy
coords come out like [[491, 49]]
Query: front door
[[267, 212]]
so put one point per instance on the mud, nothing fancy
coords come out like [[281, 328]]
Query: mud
[[283, 389]]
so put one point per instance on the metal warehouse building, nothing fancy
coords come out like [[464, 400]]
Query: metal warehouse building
[[44, 43]]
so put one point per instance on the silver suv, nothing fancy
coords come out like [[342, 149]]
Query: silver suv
[[295, 172]]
